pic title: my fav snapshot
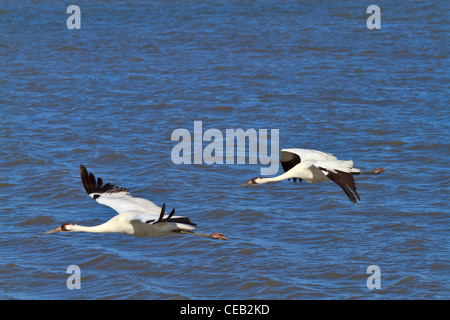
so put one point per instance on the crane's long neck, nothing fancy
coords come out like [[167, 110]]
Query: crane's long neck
[[101, 228], [284, 176]]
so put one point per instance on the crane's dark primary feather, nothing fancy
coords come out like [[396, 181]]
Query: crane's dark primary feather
[[96, 186], [346, 181]]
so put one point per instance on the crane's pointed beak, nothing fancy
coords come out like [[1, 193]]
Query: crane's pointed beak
[[246, 184], [54, 230]]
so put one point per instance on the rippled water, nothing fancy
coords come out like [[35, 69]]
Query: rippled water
[[111, 94]]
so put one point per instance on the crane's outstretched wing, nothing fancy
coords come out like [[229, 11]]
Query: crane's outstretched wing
[[116, 198], [340, 172]]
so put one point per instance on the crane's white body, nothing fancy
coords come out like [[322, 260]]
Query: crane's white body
[[134, 216], [134, 224]]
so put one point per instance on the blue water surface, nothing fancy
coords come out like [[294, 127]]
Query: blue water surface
[[110, 95]]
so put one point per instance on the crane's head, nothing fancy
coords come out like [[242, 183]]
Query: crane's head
[[64, 227], [254, 181]]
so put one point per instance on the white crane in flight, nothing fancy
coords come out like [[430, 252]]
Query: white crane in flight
[[136, 216], [316, 166]]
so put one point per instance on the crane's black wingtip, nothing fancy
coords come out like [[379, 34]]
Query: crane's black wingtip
[[84, 175], [82, 170], [92, 185]]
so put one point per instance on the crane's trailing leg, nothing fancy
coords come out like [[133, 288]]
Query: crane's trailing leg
[[215, 235], [219, 236], [374, 171]]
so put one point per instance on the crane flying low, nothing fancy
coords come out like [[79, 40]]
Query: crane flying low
[[136, 216], [316, 166]]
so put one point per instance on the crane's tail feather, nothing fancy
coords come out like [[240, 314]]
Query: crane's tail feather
[[170, 217]]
